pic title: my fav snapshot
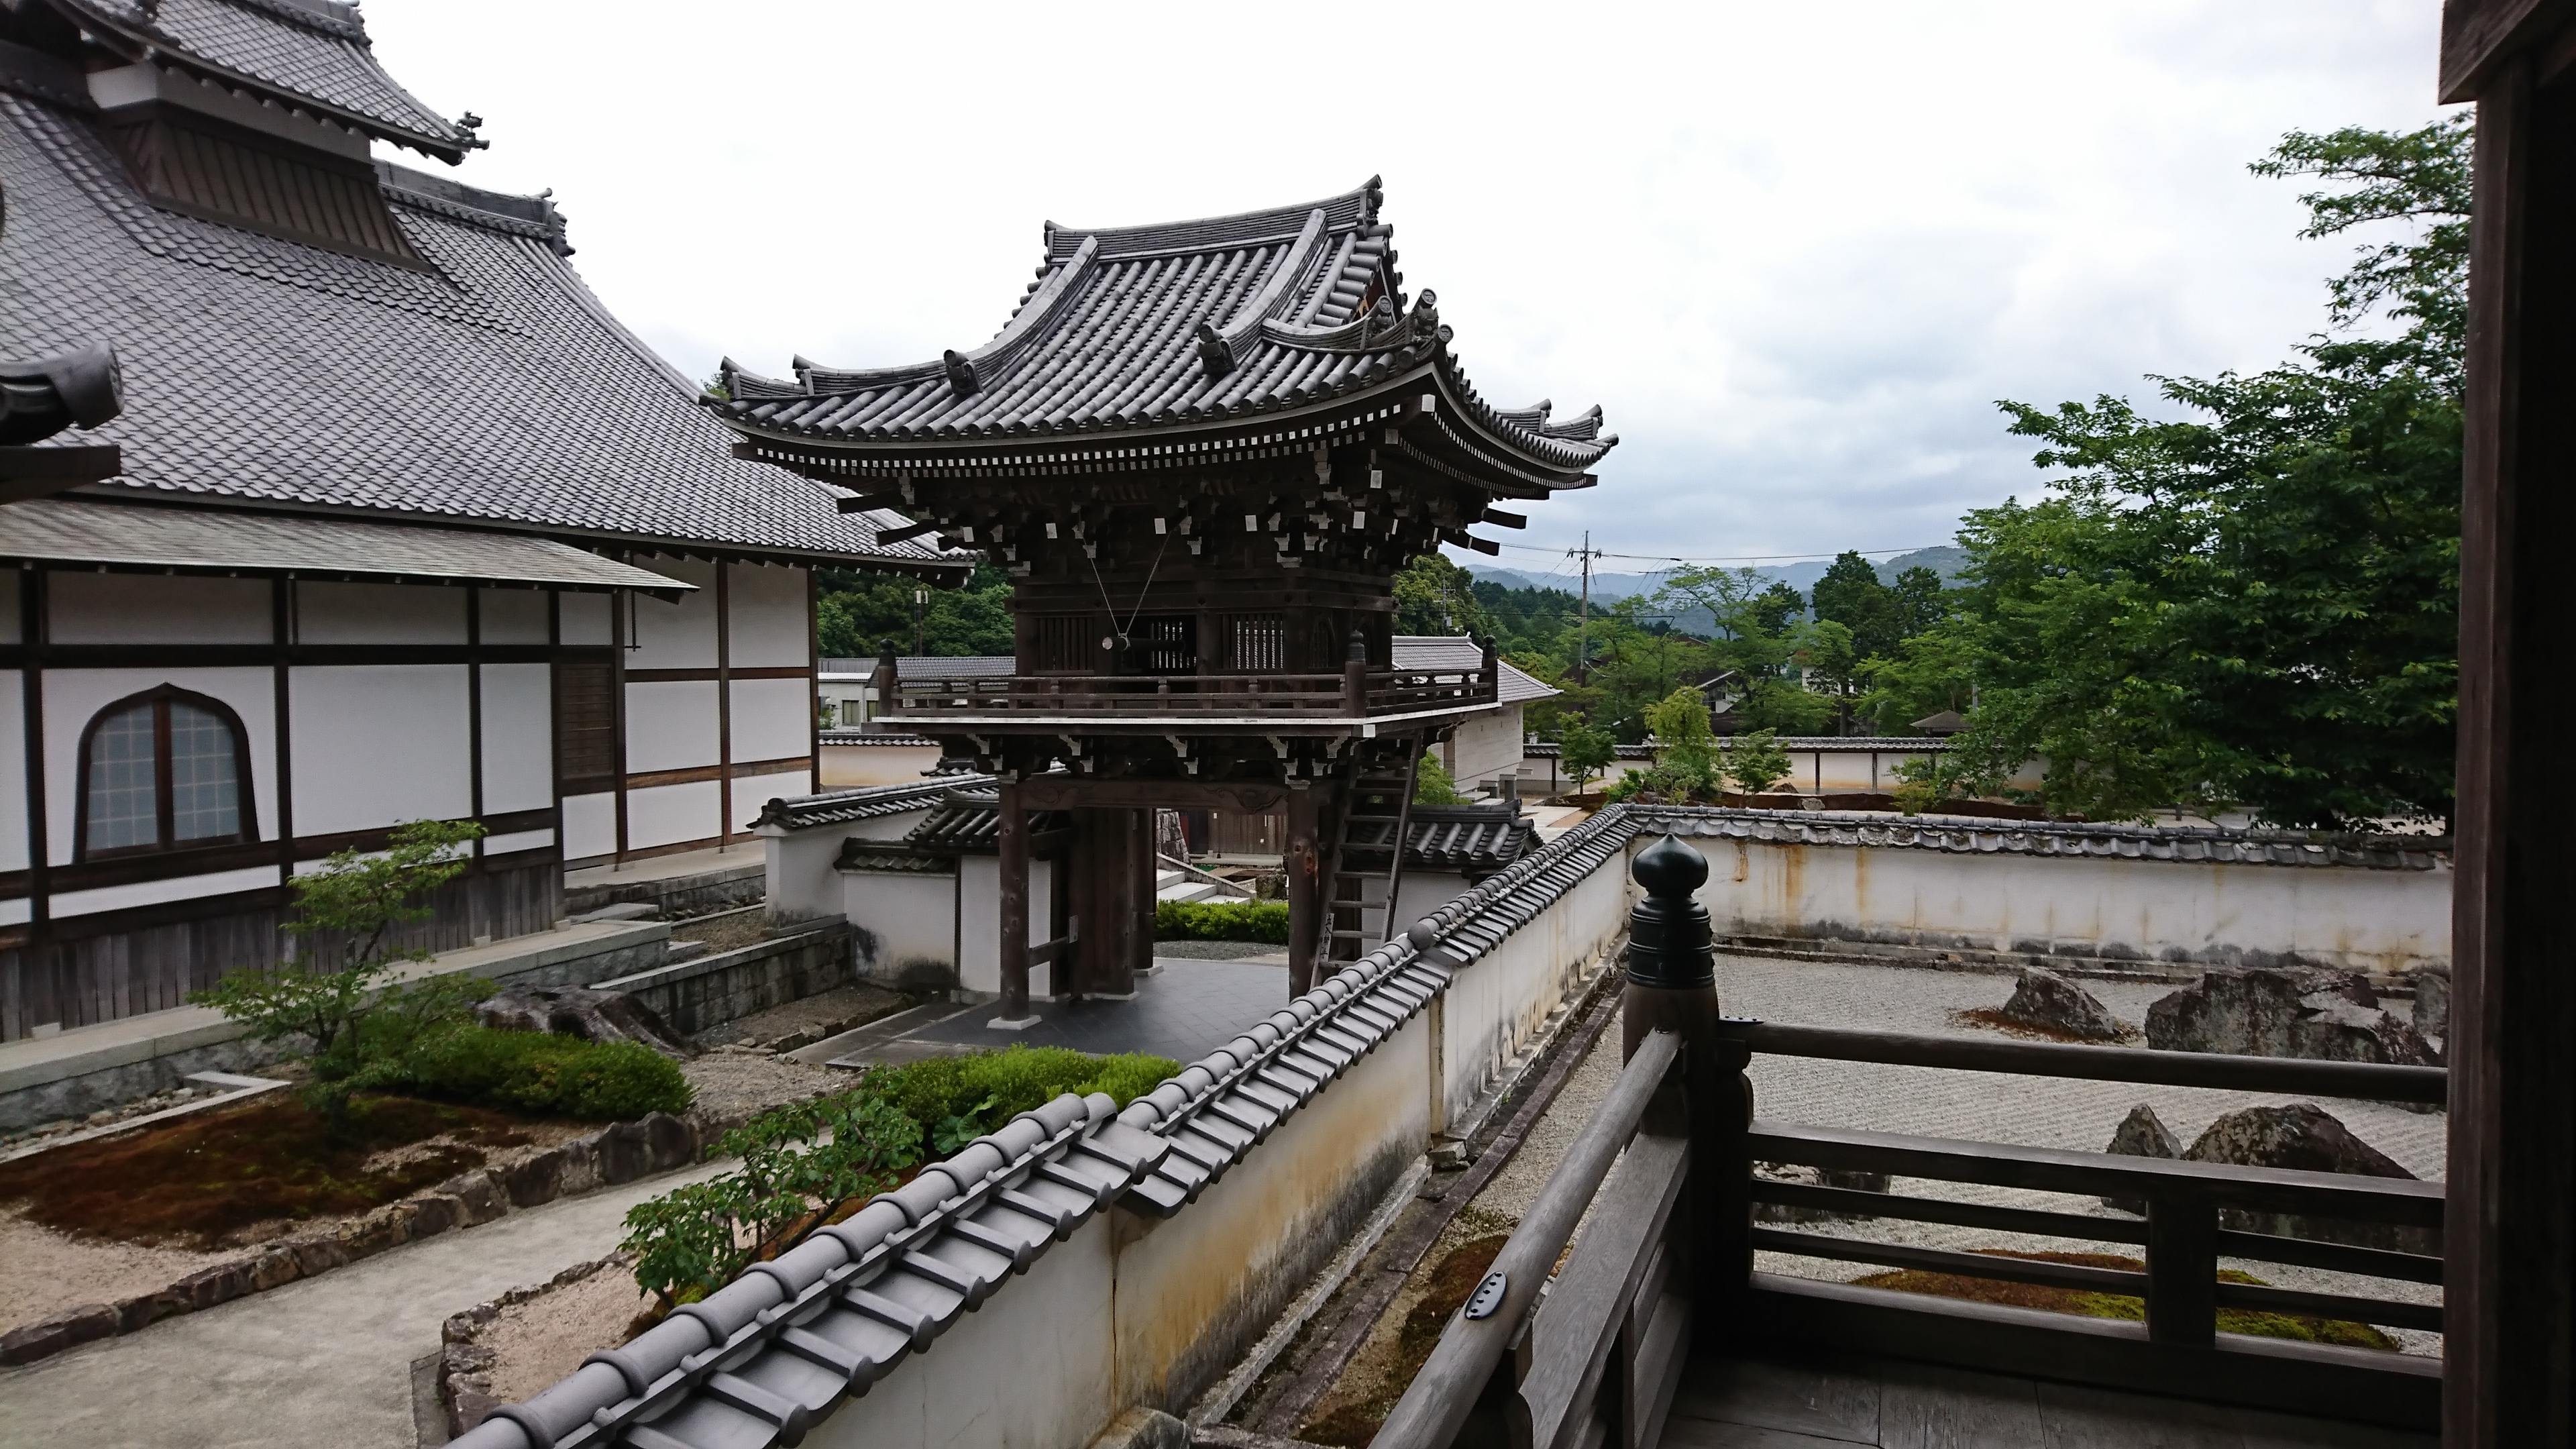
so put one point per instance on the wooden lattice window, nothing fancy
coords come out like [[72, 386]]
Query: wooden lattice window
[[1168, 643], [585, 728], [163, 770], [1068, 644], [1257, 643]]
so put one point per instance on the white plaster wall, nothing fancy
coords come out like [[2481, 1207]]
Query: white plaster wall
[[845, 766], [979, 929], [1486, 745], [589, 826], [912, 918], [586, 618], [671, 725], [669, 814], [1812, 770], [91, 608], [518, 737], [1037, 1375], [1423, 891], [772, 719], [72, 696], [2381, 920], [13, 766], [329, 613], [1194, 1289], [379, 744], [765, 606], [514, 616], [679, 635], [1498, 1002], [802, 883], [752, 793]]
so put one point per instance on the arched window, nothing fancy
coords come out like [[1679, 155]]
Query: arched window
[[162, 770]]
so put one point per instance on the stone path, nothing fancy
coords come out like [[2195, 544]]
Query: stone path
[[1184, 1011], [323, 1361]]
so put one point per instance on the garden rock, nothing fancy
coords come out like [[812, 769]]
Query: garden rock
[[624, 1154], [1773, 1212], [2432, 1002], [2051, 1003], [582, 1012], [2285, 1011], [669, 1142], [53, 1335], [2306, 1138], [2141, 1134], [539, 1179]]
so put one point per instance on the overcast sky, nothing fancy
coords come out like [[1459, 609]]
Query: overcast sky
[[1796, 252]]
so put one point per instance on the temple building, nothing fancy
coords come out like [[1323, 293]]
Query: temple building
[[407, 525], [1202, 451]]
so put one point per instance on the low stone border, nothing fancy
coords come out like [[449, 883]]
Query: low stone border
[[618, 1153], [465, 1365]]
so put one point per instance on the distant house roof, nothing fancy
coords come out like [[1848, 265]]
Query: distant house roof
[[1134, 329], [866, 802], [480, 384], [1456, 651], [928, 666]]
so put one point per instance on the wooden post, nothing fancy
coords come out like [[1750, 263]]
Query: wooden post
[[2182, 1270], [1672, 986], [1014, 905], [1142, 867], [1355, 676], [1303, 880]]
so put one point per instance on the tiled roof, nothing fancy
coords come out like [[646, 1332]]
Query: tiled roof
[[968, 821], [1457, 651], [312, 51], [1549, 750], [490, 388], [1827, 744], [866, 802], [931, 666], [1974, 835], [1476, 839], [1157, 326], [862, 737]]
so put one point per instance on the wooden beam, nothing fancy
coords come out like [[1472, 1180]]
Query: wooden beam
[[1073, 792], [1014, 903]]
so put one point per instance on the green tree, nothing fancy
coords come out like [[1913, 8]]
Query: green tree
[[1432, 785], [2255, 605], [1585, 752], [1435, 596], [335, 1001], [853, 612], [1686, 751], [1850, 595], [1755, 762], [1920, 600]]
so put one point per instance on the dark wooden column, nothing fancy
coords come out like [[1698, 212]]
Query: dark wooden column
[[2510, 1222], [1014, 903], [1142, 867], [1304, 881]]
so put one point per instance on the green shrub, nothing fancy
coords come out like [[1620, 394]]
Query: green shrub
[[538, 1072], [1221, 921], [958, 1099], [1432, 785]]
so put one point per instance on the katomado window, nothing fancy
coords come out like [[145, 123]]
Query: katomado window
[[162, 770]]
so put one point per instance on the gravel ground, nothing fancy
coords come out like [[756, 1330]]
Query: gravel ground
[[541, 1342], [50, 1271], [734, 1083], [728, 930], [2028, 1111], [826, 1013]]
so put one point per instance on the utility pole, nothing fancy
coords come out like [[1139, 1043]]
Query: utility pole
[[1583, 625]]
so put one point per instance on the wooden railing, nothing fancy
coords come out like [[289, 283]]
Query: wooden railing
[[1352, 693], [1593, 1360], [1598, 1348]]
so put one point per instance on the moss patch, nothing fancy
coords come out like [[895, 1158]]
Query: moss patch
[[197, 1181], [1450, 1285], [2121, 1305]]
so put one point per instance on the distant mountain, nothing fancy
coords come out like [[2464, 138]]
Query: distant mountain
[[1944, 559]]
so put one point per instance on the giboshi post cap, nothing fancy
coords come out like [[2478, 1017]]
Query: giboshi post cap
[[1670, 868], [1424, 935]]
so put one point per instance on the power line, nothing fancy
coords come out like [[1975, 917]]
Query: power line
[[1743, 558]]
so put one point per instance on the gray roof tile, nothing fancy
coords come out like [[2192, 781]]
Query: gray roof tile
[[310, 50], [1140, 327], [492, 388]]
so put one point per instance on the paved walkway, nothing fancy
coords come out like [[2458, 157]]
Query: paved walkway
[[324, 1361], [1184, 1011]]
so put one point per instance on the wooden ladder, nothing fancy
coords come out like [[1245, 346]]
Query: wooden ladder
[[1368, 861]]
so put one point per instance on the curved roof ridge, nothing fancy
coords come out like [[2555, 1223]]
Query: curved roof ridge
[[1215, 233]]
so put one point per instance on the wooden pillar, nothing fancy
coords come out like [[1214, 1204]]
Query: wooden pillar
[[1143, 867], [1014, 904], [1672, 986], [2509, 1276], [1303, 880]]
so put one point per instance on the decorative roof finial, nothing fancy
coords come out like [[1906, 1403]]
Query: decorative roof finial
[[961, 373], [1213, 351], [1375, 198], [466, 126]]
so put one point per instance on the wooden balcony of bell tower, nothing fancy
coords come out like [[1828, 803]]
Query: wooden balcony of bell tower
[[1202, 451]]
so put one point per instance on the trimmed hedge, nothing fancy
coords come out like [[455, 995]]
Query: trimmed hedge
[[547, 1074], [957, 1099], [1222, 921]]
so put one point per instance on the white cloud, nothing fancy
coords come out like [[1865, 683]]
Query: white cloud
[[1796, 252]]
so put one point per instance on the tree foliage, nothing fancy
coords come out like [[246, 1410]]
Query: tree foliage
[[854, 612], [2253, 604], [1436, 596]]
